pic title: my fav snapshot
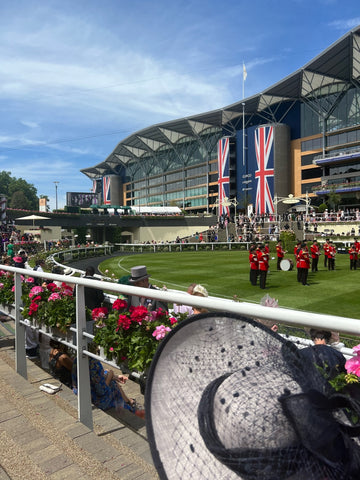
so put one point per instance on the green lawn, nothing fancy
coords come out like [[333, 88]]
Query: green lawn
[[226, 273]]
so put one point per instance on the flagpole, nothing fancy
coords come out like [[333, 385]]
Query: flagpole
[[243, 111]]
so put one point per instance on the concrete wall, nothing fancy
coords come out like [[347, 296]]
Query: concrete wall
[[164, 234]]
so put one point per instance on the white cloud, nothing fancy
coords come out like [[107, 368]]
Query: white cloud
[[345, 24], [29, 124]]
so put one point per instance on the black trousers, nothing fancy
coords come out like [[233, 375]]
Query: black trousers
[[263, 274], [314, 264], [353, 264], [331, 263], [304, 275], [253, 276]]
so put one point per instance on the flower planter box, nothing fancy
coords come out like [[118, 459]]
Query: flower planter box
[[56, 332], [8, 309]]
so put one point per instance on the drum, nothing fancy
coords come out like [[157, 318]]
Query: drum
[[286, 264]]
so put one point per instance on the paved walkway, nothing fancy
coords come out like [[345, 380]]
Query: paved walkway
[[41, 438]]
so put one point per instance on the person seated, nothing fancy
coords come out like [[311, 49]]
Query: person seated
[[199, 291], [330, 360], [106, 388], [60, 363], [140, 278], [185, 308]]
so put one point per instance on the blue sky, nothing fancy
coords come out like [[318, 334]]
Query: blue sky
[[77, 77]]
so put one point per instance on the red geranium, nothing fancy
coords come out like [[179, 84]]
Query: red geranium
[[138, 314], [120, 304], [124, 322]]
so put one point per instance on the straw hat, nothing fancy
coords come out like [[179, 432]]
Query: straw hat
[[226, 398]]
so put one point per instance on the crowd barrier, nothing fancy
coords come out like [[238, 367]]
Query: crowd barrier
[[276, 315]]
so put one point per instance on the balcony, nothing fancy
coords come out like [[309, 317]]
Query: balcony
[[345, 187]]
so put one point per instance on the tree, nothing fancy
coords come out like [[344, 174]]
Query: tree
[[18, 200], [333, 198], [9, 185]]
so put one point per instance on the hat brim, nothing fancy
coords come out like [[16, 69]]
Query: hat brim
[[138, 279], [199, 350]]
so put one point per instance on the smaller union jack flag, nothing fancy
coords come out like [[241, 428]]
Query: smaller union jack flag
[[93, 190], [224, 178], [264, 139], [106, 191]]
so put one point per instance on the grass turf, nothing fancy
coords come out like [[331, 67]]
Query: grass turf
[[226, 273]]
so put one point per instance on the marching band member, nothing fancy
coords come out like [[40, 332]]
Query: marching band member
[[326, 252], [353, 256], [280, 254], [315, 253], [304, 263], [263, 266], [254, 265], [331, 256]]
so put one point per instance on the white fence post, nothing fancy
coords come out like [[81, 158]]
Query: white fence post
[[20, 353], [83, 375]]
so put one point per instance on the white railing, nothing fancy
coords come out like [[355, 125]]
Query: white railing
[[182, 247], [276, 315]]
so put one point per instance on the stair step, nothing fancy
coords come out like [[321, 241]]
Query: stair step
[[43, 431]]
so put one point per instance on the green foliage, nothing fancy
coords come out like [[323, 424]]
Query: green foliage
[[80, 232], [333, 198], [288, 239], [131, 337], [10, 185], [19, 200], [322, 208], [6, 284]]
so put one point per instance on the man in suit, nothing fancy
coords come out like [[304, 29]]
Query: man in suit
[[140, 278]]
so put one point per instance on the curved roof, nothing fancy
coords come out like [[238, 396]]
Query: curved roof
[[334, 70]]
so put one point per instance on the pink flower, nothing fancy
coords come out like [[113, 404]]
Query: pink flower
[[1, 285], [353, 365], [66, 290], [29, 280], [111, 349], [13, 288], [160, 332], [54, 296], [99, 313], [173, 320], [35, 291]]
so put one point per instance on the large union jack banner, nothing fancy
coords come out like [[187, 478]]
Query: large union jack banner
[[223, 179], [106, 191], [264, 139]]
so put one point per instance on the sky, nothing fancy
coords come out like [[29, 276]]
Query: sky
[[79, 76]]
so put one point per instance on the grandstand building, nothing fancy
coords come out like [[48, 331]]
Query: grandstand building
[[300, 136]]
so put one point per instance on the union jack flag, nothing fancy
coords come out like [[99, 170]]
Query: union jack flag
[[264, 139], [223, 179], [106, 191]]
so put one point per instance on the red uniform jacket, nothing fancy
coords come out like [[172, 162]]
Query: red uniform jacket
[[264, 262], [279, 251], [254, 261], [353, 253], [304, 259], [315, 252]]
